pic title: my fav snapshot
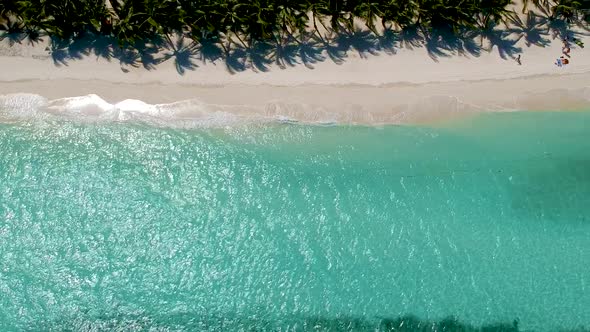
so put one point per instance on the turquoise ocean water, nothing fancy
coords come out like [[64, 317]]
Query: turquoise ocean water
[[290, 227]]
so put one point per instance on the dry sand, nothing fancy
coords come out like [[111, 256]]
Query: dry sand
[[402, 84]]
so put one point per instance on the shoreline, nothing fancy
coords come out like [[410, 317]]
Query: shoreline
[[408, 85], [362, 105]]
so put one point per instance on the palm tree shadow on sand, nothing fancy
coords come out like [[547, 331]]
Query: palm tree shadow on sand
[[183, 54], [444, 43], [532, 29], [310, 48], [500, 40]]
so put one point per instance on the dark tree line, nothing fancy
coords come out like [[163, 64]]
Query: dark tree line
[[251, 20]]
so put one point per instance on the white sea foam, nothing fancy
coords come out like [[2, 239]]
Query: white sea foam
[[195, 113], [92, 108], [22, 105]]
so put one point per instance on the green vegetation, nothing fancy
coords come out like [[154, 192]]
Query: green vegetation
[[133, 20], [255, 33]]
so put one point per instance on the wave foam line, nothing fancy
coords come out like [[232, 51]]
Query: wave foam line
[[195, 113], [192, 112], [93, 108]]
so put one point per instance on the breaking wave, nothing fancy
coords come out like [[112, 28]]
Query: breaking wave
[[196, 113]]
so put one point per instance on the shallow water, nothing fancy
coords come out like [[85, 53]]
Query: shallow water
[[111, 226]]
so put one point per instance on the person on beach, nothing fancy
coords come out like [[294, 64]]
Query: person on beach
[[559, 62], [518, 60], [565, 61], [566, 51]]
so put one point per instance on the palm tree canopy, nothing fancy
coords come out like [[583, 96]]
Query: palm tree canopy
[[133, 20]]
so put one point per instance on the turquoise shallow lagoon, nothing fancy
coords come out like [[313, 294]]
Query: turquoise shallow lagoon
[[291, 227]]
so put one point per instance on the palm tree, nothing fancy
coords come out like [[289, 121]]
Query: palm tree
[[164, 16], [399, 12], [570, 9], [62, 18], [291, 18], [255, 22], [536, 3], [319, 11], [259, 20], [449, 14], [7, 7], [229, 15], [8, 22], [126, 18], [493, 11], [368, 11]]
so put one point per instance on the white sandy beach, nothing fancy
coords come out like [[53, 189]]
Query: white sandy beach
[[401, 84]]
